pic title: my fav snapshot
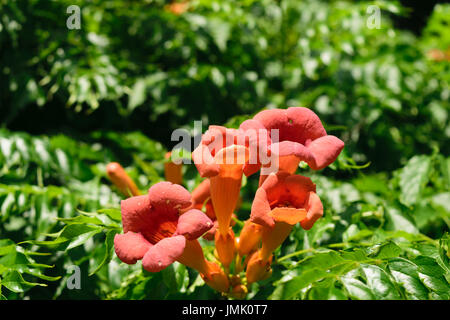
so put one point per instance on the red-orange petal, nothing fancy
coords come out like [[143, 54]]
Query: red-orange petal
[[209, 235], [135, 212], [164, 253], [131, 247], [193, 224], [314, 209], [288, 215], [260, 209], [325, 150], [204, 161], [168, 195]]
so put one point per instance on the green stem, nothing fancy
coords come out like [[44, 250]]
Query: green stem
[[294, 254]]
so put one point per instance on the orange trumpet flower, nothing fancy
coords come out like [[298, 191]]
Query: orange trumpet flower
[[220, 158], [282, 201]]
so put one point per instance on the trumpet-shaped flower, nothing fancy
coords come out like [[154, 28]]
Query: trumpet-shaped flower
[[301, 136], [282, 201], [222, 156], [201, 200], [156, 233]]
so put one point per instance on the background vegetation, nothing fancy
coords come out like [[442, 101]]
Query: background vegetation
[[73, 100]]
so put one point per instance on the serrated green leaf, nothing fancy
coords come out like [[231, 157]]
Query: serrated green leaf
[[357, 289], [379, 283], [385, 251], [432, 276], [405, 274]]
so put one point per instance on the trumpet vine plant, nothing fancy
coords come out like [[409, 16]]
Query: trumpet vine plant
[[163, 225]]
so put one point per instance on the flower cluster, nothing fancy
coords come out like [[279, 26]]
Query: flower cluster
[[164, 226]]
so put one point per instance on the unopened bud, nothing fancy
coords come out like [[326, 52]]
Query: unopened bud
[[258, 269], [225, 247]]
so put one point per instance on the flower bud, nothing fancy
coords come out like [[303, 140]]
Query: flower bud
[[225, 247], [239, 292], [249, 238], [258, 269], [172, 171], [216, 278], [122, 180]]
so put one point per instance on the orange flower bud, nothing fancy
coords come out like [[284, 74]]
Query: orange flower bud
[[225, 247], [257, 268], [172, 171], [122, 180], [239, 291], [178, 8], [216, 278], [249, 238]]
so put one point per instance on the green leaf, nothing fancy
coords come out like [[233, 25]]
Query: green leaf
[[399, 220], [114, 214], [71, 236], [293, 287], [14, 281], [6, 246], [325, 290], [432, 276], [137, 95], [357, 289], [445, 170], [379, 283], [109, 248], [406, 275], [82, 238], [176, 277], [81, 220], [385, 251], [413, 178]]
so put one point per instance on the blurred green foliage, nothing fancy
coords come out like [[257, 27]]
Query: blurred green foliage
[[136, 70], [135, 65]]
